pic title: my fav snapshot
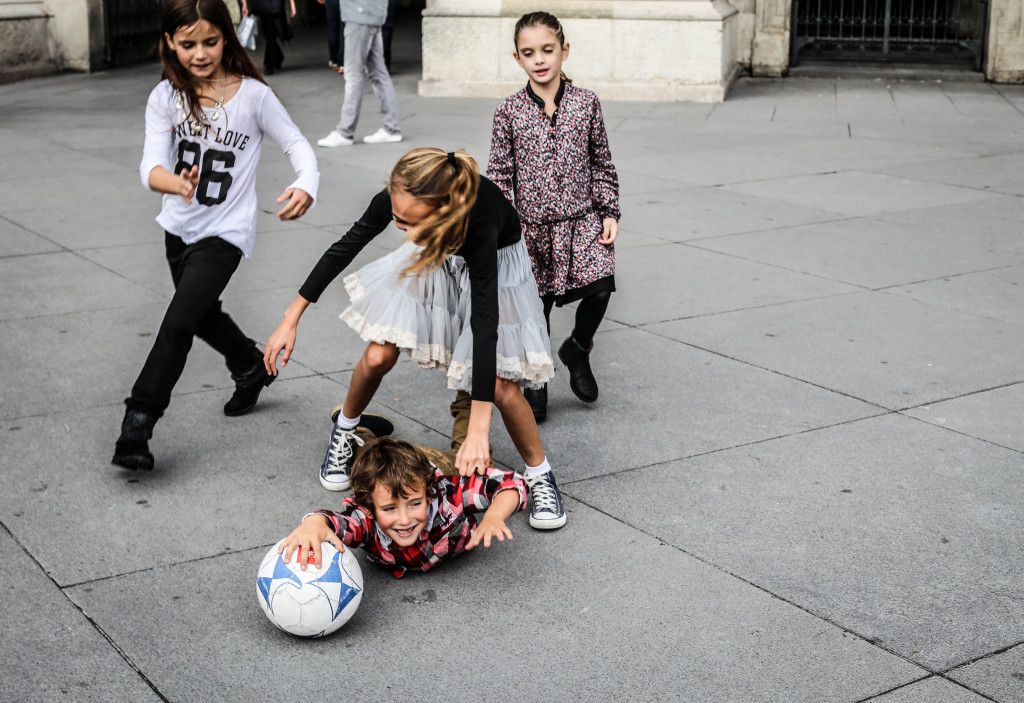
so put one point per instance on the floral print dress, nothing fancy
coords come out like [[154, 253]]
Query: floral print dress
[[558, 172]]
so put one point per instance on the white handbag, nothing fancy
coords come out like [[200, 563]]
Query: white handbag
[[247, 32]]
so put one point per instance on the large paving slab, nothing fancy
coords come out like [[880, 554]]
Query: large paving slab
[[881, 348], [996, 293], [91, 358], [899, 531], [220, 484], [18, 241], [50, 650], [859, 192], [710, 283], [1000, 676], [91, 223], [990, 415], [709, 403], [931, 690], [684, 214], [624, 617], [61, 283], [878, 253], [999, 173]]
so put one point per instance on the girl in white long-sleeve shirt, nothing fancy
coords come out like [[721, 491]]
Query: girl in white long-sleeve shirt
[[205, 123]]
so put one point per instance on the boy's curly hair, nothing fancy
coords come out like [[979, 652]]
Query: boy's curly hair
[[397, 465]]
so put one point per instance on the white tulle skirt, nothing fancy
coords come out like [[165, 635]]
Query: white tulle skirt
[[428, 315]]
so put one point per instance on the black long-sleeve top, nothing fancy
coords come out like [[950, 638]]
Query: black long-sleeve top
[[493, 225]]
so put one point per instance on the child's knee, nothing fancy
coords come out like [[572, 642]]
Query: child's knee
[[505, 392], [381, 357]]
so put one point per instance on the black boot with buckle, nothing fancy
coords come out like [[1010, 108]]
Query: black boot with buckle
[[132, 448], [247, 389], [581, 378]]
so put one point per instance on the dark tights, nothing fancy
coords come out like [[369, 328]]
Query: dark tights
[[589, 314]]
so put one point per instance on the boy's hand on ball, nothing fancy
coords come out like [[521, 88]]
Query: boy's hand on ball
[[610, 230], [306, 538]]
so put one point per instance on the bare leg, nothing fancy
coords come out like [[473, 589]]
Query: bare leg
[[518, 418], [374, 364]]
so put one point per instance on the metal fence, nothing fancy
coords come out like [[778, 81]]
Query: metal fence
[[944, 31]]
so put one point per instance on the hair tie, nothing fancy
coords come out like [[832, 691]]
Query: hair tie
[[452, 160]]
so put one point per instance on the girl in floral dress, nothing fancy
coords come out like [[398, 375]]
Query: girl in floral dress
[[550, 157]]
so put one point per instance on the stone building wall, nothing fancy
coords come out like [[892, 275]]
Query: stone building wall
[[622, 49]]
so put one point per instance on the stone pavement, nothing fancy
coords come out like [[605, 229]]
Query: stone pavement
[[803, 481]]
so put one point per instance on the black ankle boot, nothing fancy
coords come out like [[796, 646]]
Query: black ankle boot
[[247, 389], [581, 378], [538, 400], [132, 448]]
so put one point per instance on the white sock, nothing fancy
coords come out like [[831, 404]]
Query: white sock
[[538, 470], [347, 423]]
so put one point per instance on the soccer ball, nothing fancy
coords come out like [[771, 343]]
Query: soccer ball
[[314, 602]]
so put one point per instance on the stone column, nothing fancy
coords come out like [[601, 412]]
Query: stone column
[[666, 50], [1005, 56], [770, 48]]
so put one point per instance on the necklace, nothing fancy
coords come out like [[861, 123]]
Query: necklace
[[179, 104]]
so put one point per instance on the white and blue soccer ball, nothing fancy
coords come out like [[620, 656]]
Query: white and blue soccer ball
[[314, 602]]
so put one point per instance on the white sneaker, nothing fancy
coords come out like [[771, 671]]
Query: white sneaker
[[382, 136], [335, 139]]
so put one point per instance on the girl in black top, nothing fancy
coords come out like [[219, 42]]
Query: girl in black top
[[465, 262]]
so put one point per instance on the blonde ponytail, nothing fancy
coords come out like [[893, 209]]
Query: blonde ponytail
[[447, 182]]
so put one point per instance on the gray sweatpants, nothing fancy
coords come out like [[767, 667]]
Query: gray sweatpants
[[364, 57]]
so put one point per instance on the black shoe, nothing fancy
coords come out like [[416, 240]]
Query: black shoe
[[379, 425], [581, 378], [247, 389], [132, 448], [538, 400]]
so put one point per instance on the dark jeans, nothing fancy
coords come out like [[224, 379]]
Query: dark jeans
[[335, 32], [200, 273]]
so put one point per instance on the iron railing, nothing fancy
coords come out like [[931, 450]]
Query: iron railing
[[132, 30], [947, 31]]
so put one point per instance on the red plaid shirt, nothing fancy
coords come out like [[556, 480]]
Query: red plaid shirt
[[452, 519]]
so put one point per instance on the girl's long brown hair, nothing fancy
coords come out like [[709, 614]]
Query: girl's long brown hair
[[541, 19], [447, 184], [235, 60]]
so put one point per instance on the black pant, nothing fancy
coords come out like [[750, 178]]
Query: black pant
[[274, 35], [200, 273]]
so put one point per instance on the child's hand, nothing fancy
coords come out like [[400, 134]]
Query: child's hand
[[307, 537], [281, 340], [474, 455], [610, 227], [489, 527], [298, 202], [188, 181]]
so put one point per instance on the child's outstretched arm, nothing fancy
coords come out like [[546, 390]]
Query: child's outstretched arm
[[313, 530], [283, 338], [492, 524], [277, 124]]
